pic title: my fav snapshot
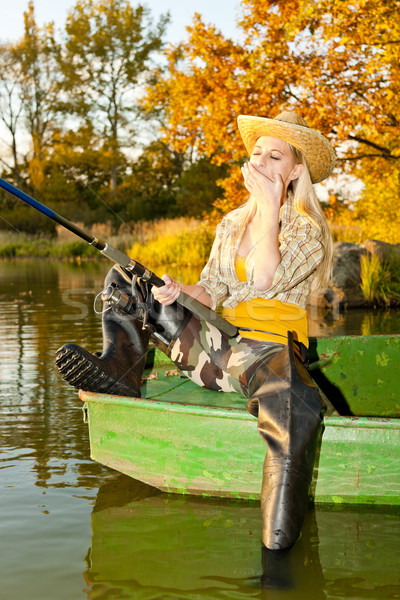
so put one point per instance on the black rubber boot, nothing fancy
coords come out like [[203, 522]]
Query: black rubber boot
[[289, 409], [118, 369]]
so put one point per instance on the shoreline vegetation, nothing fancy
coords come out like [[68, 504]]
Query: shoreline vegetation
[[172, 242], [165, 241]]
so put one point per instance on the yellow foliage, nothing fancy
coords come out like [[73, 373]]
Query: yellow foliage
[[377, 211], [146, 231], [347, 232], [189, 246], [335, 63]]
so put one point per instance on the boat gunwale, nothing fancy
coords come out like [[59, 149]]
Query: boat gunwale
[[228, 412]]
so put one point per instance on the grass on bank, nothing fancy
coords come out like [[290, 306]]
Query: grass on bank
[[185, 242], [380, 280], [43, 248], [65, 245]]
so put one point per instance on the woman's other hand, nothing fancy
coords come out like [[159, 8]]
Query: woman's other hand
[[168, 293]]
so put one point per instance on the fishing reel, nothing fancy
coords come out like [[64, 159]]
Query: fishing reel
[[114, 297]]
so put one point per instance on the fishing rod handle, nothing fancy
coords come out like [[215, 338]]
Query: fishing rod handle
[[131, 265]]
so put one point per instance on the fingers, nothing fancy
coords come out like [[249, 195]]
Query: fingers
[[247, 183], [261, 184], [253, 179], [252, 173], [250, 177], [168, 293]]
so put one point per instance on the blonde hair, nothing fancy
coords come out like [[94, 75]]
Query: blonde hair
[[307, 204]]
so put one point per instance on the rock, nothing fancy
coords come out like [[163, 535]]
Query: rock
[[385, 251], [344, 290]]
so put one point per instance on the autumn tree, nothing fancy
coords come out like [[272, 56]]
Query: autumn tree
[[10, 109], [366, 37], [37, 54], [107, 57], [335, 63], [28, 96]]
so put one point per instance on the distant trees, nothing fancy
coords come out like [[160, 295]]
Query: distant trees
[[76, 133], [106, 59], [10, 109], [98, 124]]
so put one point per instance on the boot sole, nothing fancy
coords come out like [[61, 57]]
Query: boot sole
[[77, 369]]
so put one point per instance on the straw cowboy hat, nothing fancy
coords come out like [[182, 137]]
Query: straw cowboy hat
[[290, 127]]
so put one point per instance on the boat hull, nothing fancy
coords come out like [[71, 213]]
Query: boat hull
[[209, 451], [182, 438]]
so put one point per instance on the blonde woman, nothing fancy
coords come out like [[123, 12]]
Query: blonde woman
[[264, 259]]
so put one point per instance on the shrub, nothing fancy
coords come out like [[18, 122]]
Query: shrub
[[380, 281], [8, 250], [185, 248]]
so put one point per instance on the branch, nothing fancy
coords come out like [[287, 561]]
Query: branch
[[5, 164], [290, 93], [360, 156], [373, 145], [383, 43]]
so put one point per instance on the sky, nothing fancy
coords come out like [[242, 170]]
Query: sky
[[222, 13]]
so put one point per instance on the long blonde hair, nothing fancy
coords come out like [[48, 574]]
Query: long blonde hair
[[307, 204]]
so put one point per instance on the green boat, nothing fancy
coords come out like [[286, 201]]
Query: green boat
[[184, 439]]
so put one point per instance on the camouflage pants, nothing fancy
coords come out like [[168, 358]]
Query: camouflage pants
[[212, 359]]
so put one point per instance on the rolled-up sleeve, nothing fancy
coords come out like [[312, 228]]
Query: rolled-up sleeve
[[301, 252], [210, 278]]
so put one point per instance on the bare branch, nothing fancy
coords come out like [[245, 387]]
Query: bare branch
[[382, 149]]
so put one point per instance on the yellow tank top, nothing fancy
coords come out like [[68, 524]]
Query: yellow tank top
[[268, 315]]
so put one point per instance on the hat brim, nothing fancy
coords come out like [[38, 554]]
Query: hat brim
[[316, 149]]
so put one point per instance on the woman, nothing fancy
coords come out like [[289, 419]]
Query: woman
[[264, 259]]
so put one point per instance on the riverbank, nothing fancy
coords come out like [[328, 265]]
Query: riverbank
[[364, 275], [64, 245], [162, 242]]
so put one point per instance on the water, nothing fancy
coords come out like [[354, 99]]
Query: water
[[72, 529]]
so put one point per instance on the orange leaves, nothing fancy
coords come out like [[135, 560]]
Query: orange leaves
[[335, 63]]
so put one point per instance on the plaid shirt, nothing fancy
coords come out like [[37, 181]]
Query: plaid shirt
[[301, 252]]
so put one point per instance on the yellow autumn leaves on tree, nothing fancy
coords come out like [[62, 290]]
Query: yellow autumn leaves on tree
[[334, 62]]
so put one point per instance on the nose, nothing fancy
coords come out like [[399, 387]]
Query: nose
[[259, 160]]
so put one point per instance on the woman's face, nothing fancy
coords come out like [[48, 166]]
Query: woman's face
[[272, 156]]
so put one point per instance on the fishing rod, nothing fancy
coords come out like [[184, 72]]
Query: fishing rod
[[122, 259]]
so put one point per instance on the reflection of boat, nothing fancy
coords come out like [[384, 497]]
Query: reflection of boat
[[168, 546], [182, 438]]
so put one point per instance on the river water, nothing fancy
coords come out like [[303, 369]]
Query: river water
[[71, 529]]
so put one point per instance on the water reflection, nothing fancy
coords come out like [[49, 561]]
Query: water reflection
[[151, 545], [353, 322], [142, 544], [39, 414]]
